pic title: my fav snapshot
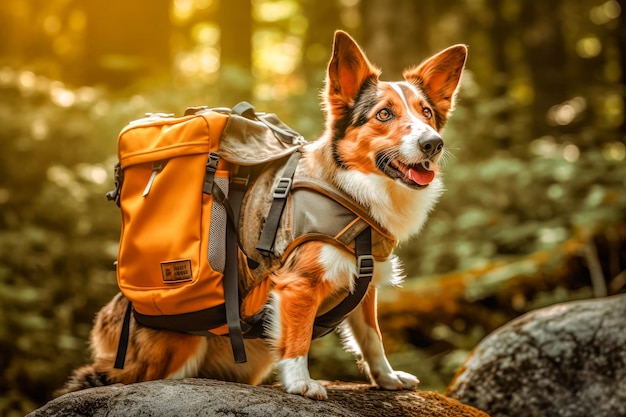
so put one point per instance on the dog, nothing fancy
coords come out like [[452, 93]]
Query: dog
[[381, 146]]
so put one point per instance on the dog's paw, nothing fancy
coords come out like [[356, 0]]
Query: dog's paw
[[397, 380], [309, 388]]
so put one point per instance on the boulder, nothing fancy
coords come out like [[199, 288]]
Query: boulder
[[205, 397], [567, 360]]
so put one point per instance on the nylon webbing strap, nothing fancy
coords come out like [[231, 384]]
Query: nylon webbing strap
[[209, 174], [365, 271], [281, 192], [122, 346], [244, 109], [231, 281]]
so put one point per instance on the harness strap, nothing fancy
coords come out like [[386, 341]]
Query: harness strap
[[281, 192], [310, 183], [327, 322], [122, 345]]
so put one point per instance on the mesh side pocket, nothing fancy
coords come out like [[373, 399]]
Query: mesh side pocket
[[217, 231]]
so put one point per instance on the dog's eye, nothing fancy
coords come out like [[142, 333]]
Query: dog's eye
[[384, 115], [427, 113]]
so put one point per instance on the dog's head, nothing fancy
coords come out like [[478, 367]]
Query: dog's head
[[390, 128]]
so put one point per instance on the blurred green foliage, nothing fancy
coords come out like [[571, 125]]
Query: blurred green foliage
[[536, 147], [57, 237]]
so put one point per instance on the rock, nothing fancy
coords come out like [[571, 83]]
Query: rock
[[205, 397], [567, 360]]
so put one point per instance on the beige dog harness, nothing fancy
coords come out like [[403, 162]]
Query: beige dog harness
[[314, 211]]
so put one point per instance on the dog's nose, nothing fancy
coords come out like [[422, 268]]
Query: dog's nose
[[432, 144]]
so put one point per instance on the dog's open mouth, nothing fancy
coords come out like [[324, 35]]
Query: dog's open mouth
[[414, 175]]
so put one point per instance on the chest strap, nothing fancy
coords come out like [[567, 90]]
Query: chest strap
[[328, 321]]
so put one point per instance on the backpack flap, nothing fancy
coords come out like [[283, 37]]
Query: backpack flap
[[252, 138], [161, 137], [169, 261]]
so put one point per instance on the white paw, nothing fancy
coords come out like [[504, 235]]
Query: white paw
[[309, 388], [397, 380]]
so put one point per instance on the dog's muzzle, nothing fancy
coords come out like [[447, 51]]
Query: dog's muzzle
[[431, 145], [416, 176]]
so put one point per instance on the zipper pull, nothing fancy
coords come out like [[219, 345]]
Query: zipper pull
[[156, 168]]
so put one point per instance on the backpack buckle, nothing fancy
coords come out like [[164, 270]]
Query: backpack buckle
[[241, 178], [209, 174], [211, 163], [365, 266], [282, 188], [118, 175]]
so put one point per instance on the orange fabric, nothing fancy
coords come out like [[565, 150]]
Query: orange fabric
[[163, 266]]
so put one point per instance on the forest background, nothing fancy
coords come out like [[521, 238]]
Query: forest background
[[535, 208]]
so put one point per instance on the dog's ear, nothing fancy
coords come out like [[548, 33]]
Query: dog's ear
[[348, 70], [438, 77]]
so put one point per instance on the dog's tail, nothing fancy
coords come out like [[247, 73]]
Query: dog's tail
[[84, 377]]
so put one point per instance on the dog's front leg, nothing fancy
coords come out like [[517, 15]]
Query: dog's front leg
[[363, 323], [297, 294]]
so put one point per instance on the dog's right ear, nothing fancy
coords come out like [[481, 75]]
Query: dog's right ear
[[439, 77], [348, 70]]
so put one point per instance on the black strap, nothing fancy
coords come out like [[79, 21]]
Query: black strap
[[195, 322], [281, 192], [232, 205], [365, 271], [122, 346], [231, 277]]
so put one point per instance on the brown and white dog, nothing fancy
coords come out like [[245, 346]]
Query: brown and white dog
[[381, 146]]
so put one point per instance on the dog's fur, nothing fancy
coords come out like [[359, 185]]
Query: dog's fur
[[381, 146]]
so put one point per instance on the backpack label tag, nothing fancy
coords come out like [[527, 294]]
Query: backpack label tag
[[176, 271]]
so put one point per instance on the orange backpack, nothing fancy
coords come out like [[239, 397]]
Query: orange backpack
[[172, 187], [180, 184]]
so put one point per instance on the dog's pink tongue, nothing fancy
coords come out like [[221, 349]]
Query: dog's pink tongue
[[421, 177]]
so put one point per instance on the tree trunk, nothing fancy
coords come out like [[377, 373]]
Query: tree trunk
[[546, 59], [118, 49], [395, 34], [235, 21]]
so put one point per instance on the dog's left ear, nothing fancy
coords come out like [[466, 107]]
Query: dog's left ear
[[438, 77]]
